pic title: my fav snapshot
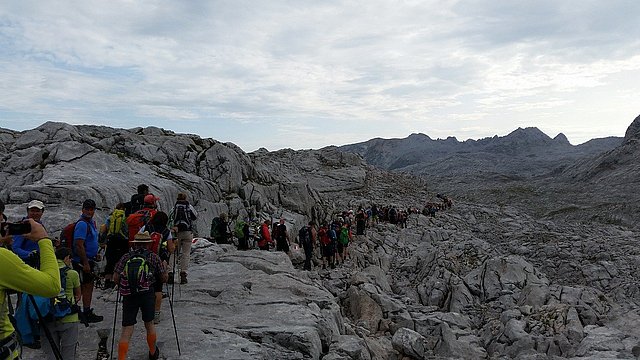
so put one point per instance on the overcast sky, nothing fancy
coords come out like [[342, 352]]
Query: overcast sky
[[307, 74]]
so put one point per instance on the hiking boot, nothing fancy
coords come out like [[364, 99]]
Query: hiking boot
[[170, 280], [183, 278], [156, 354], [90, 317]]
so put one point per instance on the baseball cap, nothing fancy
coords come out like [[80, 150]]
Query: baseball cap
[[150, 199], [89, 204], [35, 204]]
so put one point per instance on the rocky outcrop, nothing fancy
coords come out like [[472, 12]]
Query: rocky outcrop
[[62, 165]]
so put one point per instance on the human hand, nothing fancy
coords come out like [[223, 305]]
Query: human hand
[[37, 231]]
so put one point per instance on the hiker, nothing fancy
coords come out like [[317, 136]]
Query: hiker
[[136, 273], [183, 215], [220, 229], [326, 246], [281, 236], [137, 200], [117, 242], [85, 251], [360, 221], [163, 245], [17, 276], [140, 218], [243, 233], [265, 240], [306, 241], [334, 233], [344, 238], [64, 331], [21, 246]]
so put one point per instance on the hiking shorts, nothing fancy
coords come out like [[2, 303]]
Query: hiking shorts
[[85, 278], [145, 302]]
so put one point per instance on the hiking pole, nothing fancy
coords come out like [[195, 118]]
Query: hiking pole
[[175, 330], [54, 347], [115, 317], [173, 283]]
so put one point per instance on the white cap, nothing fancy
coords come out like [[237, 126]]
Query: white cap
[[36, 204]]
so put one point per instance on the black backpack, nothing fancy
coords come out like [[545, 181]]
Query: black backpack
[[136, 203], [182, 217], [137, 275], [304, 236]]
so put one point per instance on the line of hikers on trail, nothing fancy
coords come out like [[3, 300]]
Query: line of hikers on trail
[[137, 249]]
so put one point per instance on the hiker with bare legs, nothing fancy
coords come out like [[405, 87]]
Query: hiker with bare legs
[[85, 255], [136, 273]]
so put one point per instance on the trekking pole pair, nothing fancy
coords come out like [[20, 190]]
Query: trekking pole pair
[[54, 346]]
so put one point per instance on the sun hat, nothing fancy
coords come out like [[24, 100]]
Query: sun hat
[[142, 237]]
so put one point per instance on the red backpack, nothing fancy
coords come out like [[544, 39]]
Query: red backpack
[[66, 235], [137, 220]]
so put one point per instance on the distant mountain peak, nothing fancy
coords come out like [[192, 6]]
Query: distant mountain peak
[[633, 131], [561, 139]]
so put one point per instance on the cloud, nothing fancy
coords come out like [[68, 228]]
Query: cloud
[[438, 67]]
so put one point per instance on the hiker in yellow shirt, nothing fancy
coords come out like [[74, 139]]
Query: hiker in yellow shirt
[[18, 276]]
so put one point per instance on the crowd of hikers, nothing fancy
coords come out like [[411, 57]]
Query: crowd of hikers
[[138, 249]]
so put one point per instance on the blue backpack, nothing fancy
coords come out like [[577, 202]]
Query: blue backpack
[[57, 307]]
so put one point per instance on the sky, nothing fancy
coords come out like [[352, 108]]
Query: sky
[[308, 74]]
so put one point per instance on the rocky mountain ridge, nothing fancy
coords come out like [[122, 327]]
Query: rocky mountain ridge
[[418, 153], [551, 178], [477, 281]]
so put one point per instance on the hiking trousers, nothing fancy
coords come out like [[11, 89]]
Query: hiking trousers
[[65, 335], [183, 246]]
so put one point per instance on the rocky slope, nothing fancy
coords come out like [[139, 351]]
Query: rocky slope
[[476, 281]]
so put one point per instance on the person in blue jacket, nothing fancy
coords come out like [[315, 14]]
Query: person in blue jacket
[[22, 246]]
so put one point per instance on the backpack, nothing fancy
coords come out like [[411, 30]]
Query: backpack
[[136, 204], [238, 230], [158, 238], [215, 228], [66, 235], [137, 220], [116, 222], [304, 236], [136, 276], [182, 216], [57, 307], [344, 236], [323, 234]]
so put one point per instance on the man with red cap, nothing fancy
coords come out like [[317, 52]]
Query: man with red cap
[[140, 218]]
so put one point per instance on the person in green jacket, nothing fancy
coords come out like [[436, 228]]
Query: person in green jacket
[[18, 276]]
